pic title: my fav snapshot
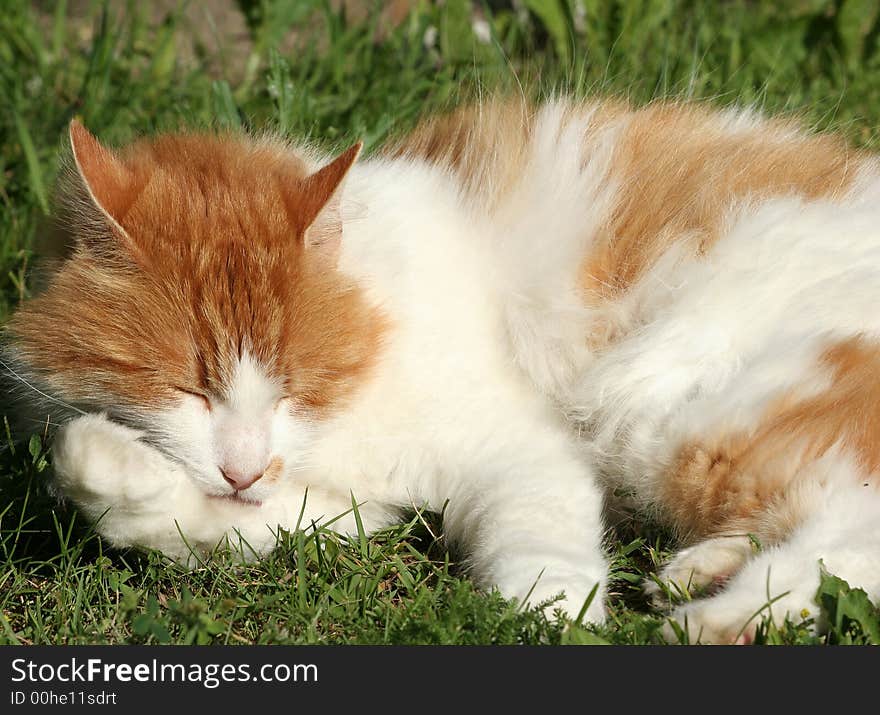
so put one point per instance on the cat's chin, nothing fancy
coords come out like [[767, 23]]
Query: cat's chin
[[237, 498]]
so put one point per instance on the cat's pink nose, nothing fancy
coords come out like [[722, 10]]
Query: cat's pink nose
[[239, 480]]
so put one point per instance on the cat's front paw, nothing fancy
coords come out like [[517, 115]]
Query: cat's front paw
[[99, 464]]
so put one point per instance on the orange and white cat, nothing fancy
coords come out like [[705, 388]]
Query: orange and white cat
[[505, 312]]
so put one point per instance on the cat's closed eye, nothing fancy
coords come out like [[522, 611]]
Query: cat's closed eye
[[281, 403], [203, 399]]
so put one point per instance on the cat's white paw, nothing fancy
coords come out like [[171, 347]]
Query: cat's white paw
[[100, 463], [708, 563], [756, 593]]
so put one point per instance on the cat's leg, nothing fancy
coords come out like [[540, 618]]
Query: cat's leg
[[782, 581], [707, 563], [138, 497], [528, 513]]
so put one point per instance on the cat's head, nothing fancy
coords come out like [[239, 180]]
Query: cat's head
[[202, 303]]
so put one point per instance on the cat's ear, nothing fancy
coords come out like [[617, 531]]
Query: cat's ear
[[317, 212], [111, 186]]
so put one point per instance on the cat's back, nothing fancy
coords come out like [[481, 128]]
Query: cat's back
[[595, 204]]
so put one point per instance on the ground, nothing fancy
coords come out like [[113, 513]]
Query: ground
[[338, 71]]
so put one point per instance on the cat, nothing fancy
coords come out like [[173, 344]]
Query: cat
[[508, 312]]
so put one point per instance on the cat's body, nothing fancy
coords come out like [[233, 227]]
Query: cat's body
[[703, 307], [675, 302]]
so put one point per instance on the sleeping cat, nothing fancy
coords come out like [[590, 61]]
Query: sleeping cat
[[504, 310], [257, 337]]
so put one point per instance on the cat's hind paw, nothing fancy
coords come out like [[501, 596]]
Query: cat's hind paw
[[756, 593], [703, 566]]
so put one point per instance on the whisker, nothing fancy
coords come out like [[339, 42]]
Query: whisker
[[27, 384], [42, 422]]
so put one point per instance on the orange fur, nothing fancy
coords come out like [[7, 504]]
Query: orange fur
[[274, 470], [207, 259], [482, 144], [732, 482], [679, 172]]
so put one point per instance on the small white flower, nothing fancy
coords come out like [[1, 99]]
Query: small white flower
[[482, 31], [430, 38], [34, 85], [580, 17]]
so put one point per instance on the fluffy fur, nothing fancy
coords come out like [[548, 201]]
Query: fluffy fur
[[504, 310]]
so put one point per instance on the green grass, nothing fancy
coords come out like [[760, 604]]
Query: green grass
[[302, 68]]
